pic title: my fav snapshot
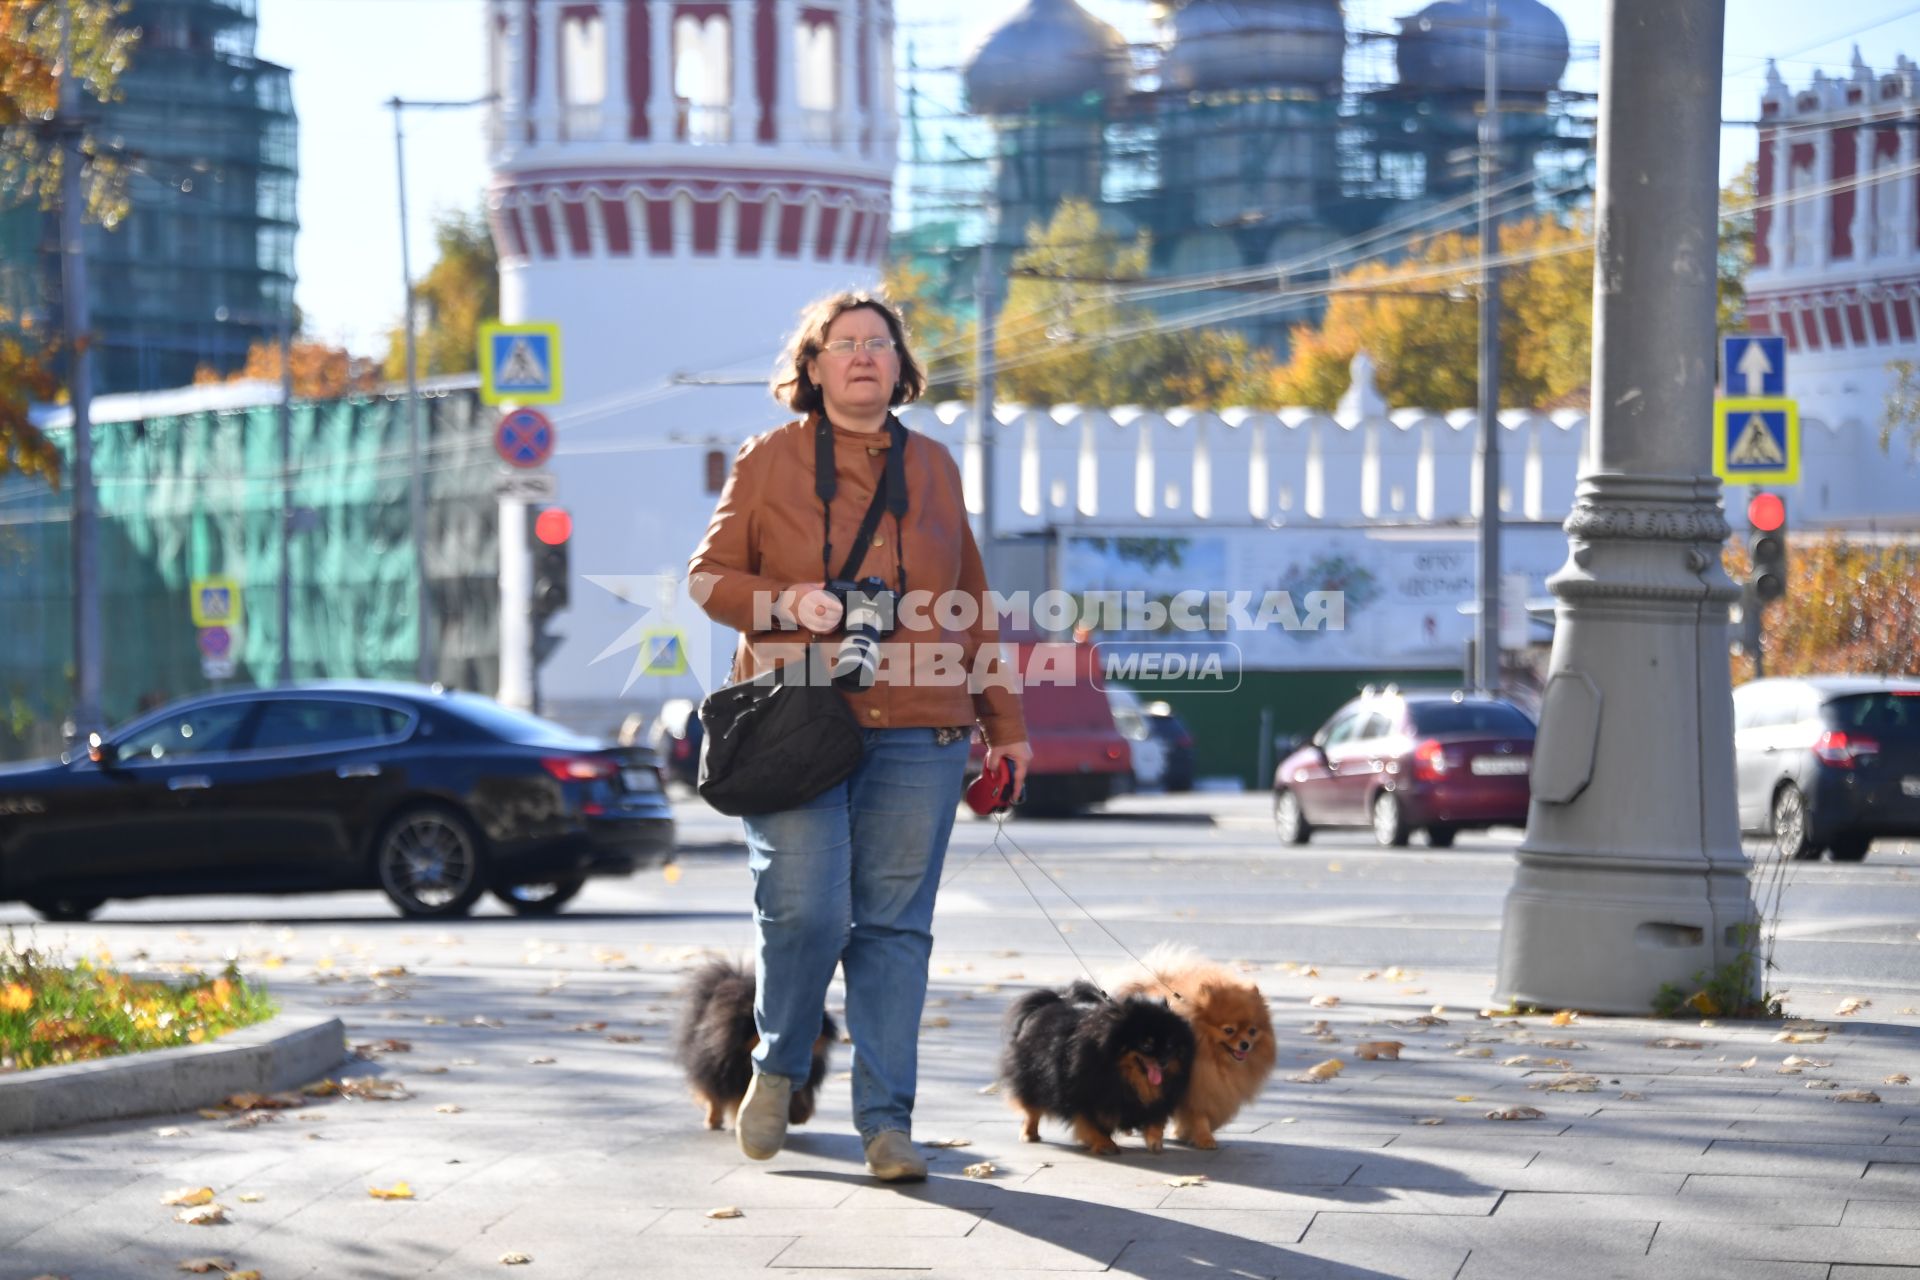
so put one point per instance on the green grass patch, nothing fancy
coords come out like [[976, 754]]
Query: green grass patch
[[53, 1013]]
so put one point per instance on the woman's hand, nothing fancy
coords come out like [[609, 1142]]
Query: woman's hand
[[1018, 756], [812, 606]]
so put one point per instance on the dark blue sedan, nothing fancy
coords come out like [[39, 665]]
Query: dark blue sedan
[[432, 797]]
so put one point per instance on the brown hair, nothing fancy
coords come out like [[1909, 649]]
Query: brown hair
[[794, 389]]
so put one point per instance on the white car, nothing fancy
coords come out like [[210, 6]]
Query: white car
[[1149, 752]]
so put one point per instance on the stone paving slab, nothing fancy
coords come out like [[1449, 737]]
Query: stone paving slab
[[596, 1164]]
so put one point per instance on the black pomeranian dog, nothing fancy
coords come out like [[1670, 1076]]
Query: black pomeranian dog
[[1099, 1064], [715, 1037]]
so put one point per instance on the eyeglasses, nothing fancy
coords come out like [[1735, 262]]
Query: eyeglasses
[[847, 346]]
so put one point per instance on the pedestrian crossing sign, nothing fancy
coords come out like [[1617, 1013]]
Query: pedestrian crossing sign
[[520, 363], [664, 653], [1756, 440]]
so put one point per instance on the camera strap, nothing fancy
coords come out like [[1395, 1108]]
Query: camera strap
[[889, 495]]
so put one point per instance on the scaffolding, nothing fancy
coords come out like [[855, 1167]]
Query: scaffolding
[[202, 265]]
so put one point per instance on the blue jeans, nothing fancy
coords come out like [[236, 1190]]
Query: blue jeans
[[849, 879]]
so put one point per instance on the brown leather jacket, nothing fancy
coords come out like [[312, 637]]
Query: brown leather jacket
[[765, 536]]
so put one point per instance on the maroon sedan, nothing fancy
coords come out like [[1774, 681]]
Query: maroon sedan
[[1401, 762]]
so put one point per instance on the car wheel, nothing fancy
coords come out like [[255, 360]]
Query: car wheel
[[1790, 834], [66, 910], [1288, 821], [428, 860], [1851, 847], [1441, 837], [1389, 824], [540, 897]]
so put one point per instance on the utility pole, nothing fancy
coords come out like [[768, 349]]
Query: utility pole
[[417, 493], [1631, 875], [425, 666], [88, 713], [985, 425], [1487, 449], [286, 487]]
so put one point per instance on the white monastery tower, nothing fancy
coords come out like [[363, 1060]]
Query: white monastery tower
[[672, 182]]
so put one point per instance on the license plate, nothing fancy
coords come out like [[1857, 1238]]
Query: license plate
[[1911, 786], [640, 779], [1498, 766]]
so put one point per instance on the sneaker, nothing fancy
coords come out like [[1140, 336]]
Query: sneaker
[[891, 1157], [761, 1126]]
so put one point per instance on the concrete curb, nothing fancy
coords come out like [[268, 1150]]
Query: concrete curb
[[276, 1054]]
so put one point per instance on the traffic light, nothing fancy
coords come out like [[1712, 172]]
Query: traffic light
[[1766, 548], [552, 536]]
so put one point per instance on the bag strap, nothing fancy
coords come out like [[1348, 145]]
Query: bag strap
[[889, 495]]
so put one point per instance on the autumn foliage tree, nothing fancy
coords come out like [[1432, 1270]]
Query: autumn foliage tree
[[1067, 336], [320, 372], [459, 293], [1850, 606], [31, 161]]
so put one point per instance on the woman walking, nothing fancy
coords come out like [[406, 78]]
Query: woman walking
[[848, 879]]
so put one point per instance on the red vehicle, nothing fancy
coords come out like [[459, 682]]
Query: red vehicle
[[1404, 762], [1080, 758]]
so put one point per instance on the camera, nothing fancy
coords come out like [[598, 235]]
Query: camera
[[867, 618]]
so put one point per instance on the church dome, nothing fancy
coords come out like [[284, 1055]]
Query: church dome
[[1442, 49], [1228, 44], [1049, 52]]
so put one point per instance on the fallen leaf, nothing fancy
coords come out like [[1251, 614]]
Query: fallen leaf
[[985, 1169], [1321, 1071], [204, 1215], [374, 1089], [1561, 1044], [321, 1088], [1857, 1095], [939, 1143], [1898, 1077], [202, 1266], [1674, 1042], [1821, 1084], [1559, 1064], [1571, 1084], [1310, 971], [1703, 1003], [214, 1113], [1368, 976], [624, 1037], [540, 1060], [1795, 1060], [938, 1023], [430, 1071], [1370, 1050], [449, 1109], [1395, 973], [1630, 1096], [1800, 1037], [1463, 1097], [248, 1274], [671, 873], [1188, 1180], [398, 1191], [1518, 1113], [251, 1197], [171, 1131], [1482, 1052], [188, 1196], [1564, 1018], [1430, 1120], [1319, 1028], [588, 1026], [1851, 1005], [1518, 1060], [1325, 1002], [989, 1088], [1748, 1065], [519, 1259], [478, 1020], [1422, 1021]]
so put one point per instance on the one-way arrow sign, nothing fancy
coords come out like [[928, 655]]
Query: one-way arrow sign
[[1754, 364]]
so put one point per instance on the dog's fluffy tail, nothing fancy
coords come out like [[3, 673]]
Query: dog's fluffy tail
[[717, 974], [1028, 1005], [1165, 958]]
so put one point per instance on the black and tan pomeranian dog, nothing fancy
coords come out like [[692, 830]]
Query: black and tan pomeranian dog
[[715, 1039], [1099, 1064]]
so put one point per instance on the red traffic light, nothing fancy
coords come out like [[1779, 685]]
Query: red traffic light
[[1766, 512], [553, 526]]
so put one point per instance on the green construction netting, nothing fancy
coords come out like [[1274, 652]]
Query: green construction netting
[[197, 495]]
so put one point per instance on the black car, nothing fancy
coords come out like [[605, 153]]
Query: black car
[[433, 797], [1828, 762]]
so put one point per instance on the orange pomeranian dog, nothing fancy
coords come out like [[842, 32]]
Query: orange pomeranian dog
[[1232, 1028]]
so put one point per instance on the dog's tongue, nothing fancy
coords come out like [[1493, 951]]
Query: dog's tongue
[[1153, 1072]]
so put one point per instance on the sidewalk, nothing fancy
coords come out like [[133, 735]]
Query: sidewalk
[[542, 1136]]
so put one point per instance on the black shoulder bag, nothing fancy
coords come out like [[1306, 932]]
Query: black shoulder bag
[[771, 743]]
